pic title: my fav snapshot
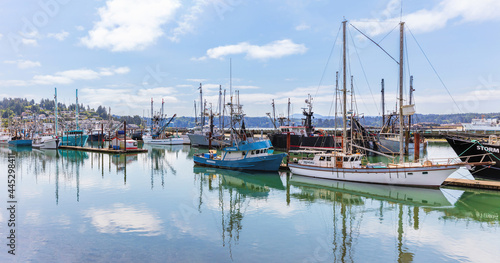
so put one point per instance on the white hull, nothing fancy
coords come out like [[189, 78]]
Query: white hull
[[168, 141], [416, 176], [46, 143]]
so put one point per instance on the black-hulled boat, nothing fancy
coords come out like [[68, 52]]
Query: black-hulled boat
[[469, 145], [306, 136]]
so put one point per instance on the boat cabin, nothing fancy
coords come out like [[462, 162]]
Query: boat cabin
[[118, 143], [337, 160]]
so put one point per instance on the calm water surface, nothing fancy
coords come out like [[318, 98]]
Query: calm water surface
[[156, 207]]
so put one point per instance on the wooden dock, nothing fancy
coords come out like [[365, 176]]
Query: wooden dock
[[478, 184], [103, 150]]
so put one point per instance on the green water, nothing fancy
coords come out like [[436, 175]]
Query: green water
[[156, 207]]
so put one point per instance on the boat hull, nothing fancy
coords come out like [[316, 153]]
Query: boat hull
[[297, 141], [20, 143], [48, 144], [392, 146], [168, 141], [464, 147], [413, 176], [261, 163], [74, 140]]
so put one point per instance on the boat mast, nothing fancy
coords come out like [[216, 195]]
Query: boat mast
[[77, 109], [401, 120], [344, 90], [55, 99], [383, 103], [288, 124], [202, 109], [152, 116]]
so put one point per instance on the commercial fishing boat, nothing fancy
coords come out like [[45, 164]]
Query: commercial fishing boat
[[244, 152], [346, 165], [467, 145]]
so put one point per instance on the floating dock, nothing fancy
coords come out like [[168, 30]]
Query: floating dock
[[478, 184], [102, 150]]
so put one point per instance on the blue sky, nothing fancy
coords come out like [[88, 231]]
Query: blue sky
[[122, 53]]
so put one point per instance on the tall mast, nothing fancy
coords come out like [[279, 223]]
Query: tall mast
[[220, 106], [344, 90], [152, 114], [383, 103], [55, 98], [401, 120], [202, 109], [77, 111], [288, 124], [195, 114]]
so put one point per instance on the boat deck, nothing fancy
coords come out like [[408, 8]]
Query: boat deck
[[102, 150]]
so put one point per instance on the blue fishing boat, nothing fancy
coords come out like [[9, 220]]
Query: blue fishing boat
[[249, 154], [74, 138], [245, 152], [20, 142]]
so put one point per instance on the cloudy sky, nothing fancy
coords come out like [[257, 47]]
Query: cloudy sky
[[122, 53]]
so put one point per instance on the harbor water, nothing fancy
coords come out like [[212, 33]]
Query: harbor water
[[75, 206]]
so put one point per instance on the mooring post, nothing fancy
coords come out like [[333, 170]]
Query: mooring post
[[287, 148], [416, 137]]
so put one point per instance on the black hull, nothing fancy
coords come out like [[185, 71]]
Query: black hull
[[464, 147], [297, 141]]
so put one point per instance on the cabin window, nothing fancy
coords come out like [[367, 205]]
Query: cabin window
[[322, 158], [339, 159], [252, 152], [242, 153], [346, 159], [410, 173], [328, 159], [425, 172]]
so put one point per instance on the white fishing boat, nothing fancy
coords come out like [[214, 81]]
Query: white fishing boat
[[46, 142], [346, 165], [5, 138], [172, 140]]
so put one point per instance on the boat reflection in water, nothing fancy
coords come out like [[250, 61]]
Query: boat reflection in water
[[234, 190], [324, 189], [399, 208]]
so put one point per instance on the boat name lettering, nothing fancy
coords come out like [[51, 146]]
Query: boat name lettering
[[308, 162], [210, 161], [489, 149]]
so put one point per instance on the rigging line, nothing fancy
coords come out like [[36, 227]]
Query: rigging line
[[439, 77], [364, 73], [327, 62], [374, 43], [388, 34]]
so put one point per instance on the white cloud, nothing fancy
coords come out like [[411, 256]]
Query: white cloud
[[302, 27], [275, 49], [69, 76], [79, 28], [1, 36], [186, 23], [127, 25], [197, 80], [29, 42], [240, 87], [426, 20], [59, 36], [24, 64]]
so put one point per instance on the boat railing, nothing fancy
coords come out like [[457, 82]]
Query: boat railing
[[484, 159]]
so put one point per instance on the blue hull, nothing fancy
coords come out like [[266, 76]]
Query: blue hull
[[261, 163], [74, 140], [21, 143]]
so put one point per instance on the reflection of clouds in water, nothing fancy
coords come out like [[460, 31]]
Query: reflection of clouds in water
[[125, 219]]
